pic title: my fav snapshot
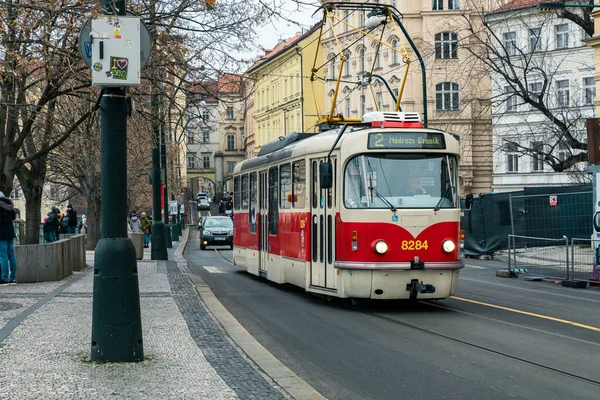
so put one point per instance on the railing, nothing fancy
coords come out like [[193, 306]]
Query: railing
[[564, 258]]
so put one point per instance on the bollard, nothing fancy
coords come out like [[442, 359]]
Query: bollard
[[174, 237]]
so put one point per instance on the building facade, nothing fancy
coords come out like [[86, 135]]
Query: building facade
[[457, 85], [284, 98], [550, 99], [232, 105]]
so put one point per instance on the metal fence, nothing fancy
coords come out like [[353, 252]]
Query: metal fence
[[564, 258], [551, 216]]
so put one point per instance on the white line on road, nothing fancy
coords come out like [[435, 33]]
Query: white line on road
[[214, 270], [474, 266]]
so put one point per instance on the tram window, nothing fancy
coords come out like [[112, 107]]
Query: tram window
[[299, 184], [334, 183], [320, 192], [244, 193], [253, 210], [236, 192], [273, 211], [285, 185], [315, 185]]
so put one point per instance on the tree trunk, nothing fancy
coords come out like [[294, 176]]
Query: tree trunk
[[94, 214], [33, 206]]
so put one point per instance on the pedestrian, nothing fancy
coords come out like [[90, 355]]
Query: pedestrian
[[61, 227], [7, 244], [45, 230], [52, 224], [71, 220], [146, 229], [82, 226], [135, 225]]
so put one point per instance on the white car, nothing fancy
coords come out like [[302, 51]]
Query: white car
[[203, 204]]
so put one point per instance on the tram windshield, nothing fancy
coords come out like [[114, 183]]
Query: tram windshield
[[401, 181]]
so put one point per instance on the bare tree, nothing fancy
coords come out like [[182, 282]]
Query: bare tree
[[539, 97]]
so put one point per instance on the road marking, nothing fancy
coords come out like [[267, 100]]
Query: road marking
[[214, 270], [562, 321], [531, 290], [474, 266]]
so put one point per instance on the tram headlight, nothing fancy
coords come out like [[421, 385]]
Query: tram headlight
[[380, 247], [448, 246]]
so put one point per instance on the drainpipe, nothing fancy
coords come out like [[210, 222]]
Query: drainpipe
[[301, 86]]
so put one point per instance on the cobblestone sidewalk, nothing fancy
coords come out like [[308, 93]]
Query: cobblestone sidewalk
[[45, 333]]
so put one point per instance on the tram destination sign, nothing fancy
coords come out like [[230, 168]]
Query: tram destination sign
[[406, 140]]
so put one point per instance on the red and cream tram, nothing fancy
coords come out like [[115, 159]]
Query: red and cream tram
[[363, 211]]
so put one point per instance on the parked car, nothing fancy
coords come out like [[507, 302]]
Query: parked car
[[204, 204], [216, 231]]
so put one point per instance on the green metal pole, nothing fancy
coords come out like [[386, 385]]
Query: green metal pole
[[116, 319], [163, 164]]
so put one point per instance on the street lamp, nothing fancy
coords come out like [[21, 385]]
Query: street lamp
[[548, 7]]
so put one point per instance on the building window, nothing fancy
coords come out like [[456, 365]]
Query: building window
[[230, 113], [535, 91], [437, 5], [537, 158], [511, 99], [205, 115], [535, 42], [564, 151], [453, 4], [206, 161], [190, 137], [510, 43], [285, 88], [394, 52], [230, 166], [363, 105], [347, 101], [589, 88], [346, 21], [362, 60], [379, 96], [361, 19], [191, 160], [378, 58], [446, 96], [512, 157], [562, 93], [332, 66], [205, 137], [445, 45], [230, 142], [395, 91], [347, 64], [562, 36]]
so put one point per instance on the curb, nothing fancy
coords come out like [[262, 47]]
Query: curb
[[295, 386]]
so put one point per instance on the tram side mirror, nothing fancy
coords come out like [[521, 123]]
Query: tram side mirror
[[325, 175], [468, 201]]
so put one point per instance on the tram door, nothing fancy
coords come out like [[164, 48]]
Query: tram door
[[322, 235], [264, 226]]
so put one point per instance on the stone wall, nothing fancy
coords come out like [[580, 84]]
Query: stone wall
[[50, 261]]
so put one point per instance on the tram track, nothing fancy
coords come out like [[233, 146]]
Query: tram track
[[468, 344]]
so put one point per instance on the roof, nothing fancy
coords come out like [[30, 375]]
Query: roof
[[282, 47], [230, 83], [513, 5]]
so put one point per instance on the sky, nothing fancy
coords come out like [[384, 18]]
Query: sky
[[269, 35]]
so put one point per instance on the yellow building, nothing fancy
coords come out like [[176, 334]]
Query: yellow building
[[283, 94]]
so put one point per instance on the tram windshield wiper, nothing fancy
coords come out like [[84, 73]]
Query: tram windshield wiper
[[382, 197], [439, 204]]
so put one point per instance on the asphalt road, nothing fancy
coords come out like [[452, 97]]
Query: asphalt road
[[496, 339]]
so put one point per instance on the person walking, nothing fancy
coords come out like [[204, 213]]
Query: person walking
[[134, 224], [52, 224], [7, 244], [45, 230], [146, 229]]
